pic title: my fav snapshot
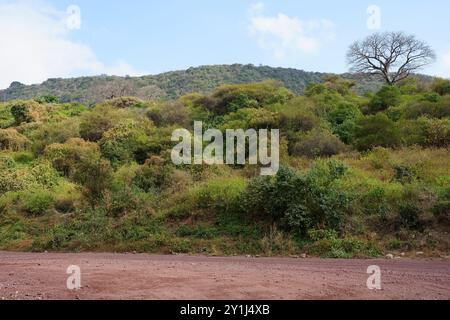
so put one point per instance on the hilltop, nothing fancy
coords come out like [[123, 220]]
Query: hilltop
[[170, 85]]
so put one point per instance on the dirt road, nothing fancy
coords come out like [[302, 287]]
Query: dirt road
[[128, 276]]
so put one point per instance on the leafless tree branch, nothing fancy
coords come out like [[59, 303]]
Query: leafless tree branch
[[393, 55]]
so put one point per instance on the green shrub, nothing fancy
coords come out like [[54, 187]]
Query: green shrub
[[376, 131], [388, 96], [102, 118], [54, 132], [217, 196], [230, 98], [375, 202], [431, 97], [441, 86], [298, 115], [125, 142], [154, 175], [251, 118], [6, 162], [344, 112], [426, 132], [67, 197], [433, 109], [23, 157], [343, 121], [441, 211], [37, 202], [409, 215], [11, 140], [44, 174], [6, 118], [26, 111], [47, 99], [80, 161], [318, 144], [124, 103], [404, 174], [170, 113], [435, 132], [299, 201]]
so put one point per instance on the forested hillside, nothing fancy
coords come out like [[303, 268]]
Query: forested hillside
[[89, 90], [361, 175]]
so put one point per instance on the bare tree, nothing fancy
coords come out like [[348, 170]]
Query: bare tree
[[392, 55], [115, 88]]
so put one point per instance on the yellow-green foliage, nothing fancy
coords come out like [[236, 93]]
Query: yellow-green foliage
[[11, 140], [217, 195], [101, 119], [28, 111], [126, 142], [359, 175], [124, 102]]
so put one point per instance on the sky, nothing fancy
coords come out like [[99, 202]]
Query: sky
[[41, 39]]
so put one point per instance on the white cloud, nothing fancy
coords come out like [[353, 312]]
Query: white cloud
[[36, 46], [284, 35]]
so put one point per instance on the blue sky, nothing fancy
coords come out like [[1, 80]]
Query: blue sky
[[146, 37]]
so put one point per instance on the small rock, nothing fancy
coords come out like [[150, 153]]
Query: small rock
[[304, 256], [248, 256], [419, 253], [134, 252], [402, 254], [389, 256]]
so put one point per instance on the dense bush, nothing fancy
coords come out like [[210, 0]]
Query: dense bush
[[376, 131], [101, 178], [101, 119], [251, 118], [128, 141], [388, 96], [441, 86], [298, 115], [343, 121], [81, 161], [436, 109], [154, 175], [426, 132], [6, 118], [231, 98], [318, 144], [300, 201], [170, 113], [37, 202], [124, 102], [11, 140], [26, 111], [53, 132]]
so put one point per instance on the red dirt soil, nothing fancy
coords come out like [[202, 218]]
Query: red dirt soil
[[42, 276]]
